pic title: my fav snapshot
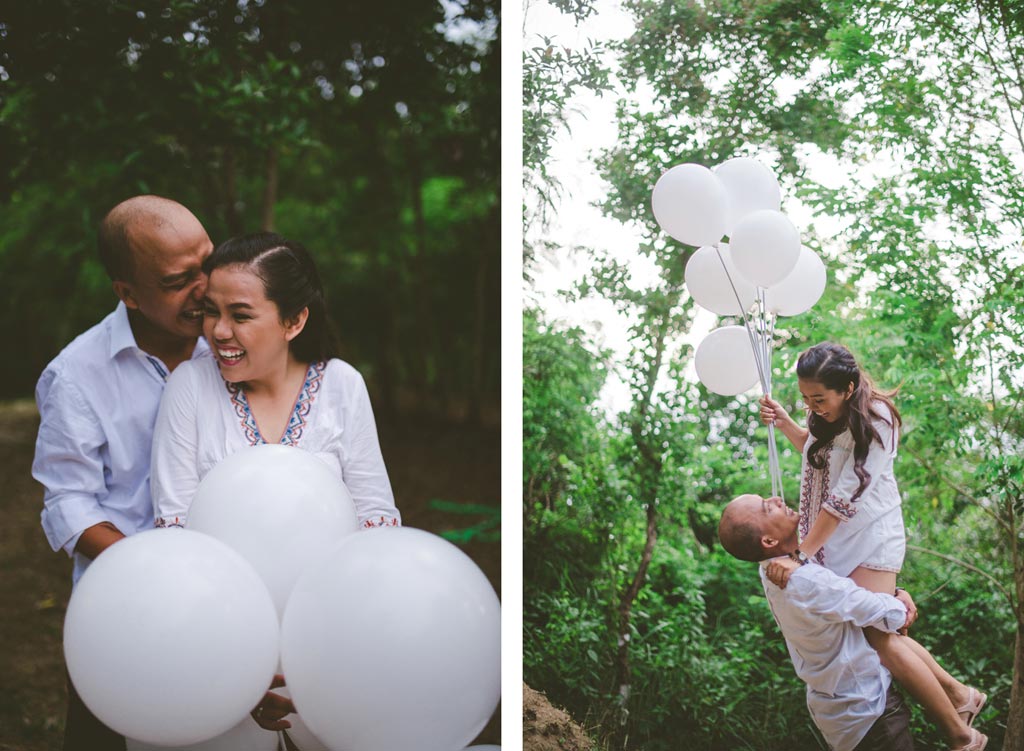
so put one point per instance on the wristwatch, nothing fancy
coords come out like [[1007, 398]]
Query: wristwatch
[[800, 557]]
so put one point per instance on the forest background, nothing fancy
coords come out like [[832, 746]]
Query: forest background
[[635, 620], [367, 131]]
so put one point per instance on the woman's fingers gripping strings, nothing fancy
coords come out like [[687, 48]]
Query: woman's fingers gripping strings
[[772, 412]]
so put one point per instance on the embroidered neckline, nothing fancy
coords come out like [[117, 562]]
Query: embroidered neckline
[[813, 490], [297, 420]]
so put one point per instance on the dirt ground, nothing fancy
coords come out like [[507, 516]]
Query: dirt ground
[[548, 728], [426, 461]]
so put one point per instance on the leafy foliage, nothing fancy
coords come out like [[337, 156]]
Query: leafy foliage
[[368, 132], [917, 107]]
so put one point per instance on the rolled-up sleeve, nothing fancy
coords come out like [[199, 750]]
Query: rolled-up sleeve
[[68, 462], [840, 502], [175, 468], [362, 465], [837, 599]]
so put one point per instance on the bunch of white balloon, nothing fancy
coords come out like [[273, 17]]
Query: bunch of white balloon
[[762, 272], [387, 638]]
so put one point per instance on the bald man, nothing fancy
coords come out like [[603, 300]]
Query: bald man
[[849, 693], [98, 399]]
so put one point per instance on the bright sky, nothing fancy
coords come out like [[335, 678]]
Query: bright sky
[[576, 222]]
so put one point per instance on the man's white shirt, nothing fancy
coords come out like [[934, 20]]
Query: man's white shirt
[[98, 402], [822, 616]]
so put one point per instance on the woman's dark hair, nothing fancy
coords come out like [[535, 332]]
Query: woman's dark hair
[[291, 282], [833, 366]]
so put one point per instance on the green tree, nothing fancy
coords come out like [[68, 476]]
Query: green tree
[[561, 383], [370, 133], [929, 95], [919, 106]]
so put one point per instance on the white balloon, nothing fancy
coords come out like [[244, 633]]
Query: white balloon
[[483, 748], [245, 736], [709, 285], [799, 291], [393, 642], [750, 187], [279, 507], [690, 204], [170, 637], [725, 361], [765, 247]]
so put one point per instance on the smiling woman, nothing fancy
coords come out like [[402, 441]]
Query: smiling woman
[[826, 403], [848, 446], [270, 379]]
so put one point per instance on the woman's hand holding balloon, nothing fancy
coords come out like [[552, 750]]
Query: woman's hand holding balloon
[[773, 413]]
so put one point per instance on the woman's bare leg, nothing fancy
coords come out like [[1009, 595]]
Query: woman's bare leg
[[907, 667], [956, 691]]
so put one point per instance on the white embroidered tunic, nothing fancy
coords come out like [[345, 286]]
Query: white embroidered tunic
[[204, 419], [871, 531]]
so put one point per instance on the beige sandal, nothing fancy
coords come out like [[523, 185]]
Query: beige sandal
[[978, 742], [973, 706]]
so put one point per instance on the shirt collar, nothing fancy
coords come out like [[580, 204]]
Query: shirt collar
[[121, 336]]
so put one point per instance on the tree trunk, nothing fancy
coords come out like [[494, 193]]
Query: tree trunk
[[623, 668], [1014, 740], [270, 191], [231, 215], [650, 470], [491, 242], [212, 192], [434, 373], [389, 354]]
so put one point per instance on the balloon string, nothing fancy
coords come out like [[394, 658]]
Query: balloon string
[[762, 320], [766, 323], [773, 449], [762, 360], [746, 322], [778, 463]]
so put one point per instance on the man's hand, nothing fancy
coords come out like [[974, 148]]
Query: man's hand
[[97, 538], [908, 602], [271, 710], [779, 569]]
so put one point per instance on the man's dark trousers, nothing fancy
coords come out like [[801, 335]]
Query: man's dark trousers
[[891, 731]]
